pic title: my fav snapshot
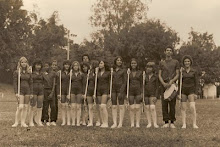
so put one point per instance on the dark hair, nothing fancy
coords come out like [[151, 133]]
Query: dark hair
[[84, 64], [105, 64], [118, 57], [134, 59], [66, 62], [38, 61], [151, 64], [169, 47], [87, 55], [187, 57]]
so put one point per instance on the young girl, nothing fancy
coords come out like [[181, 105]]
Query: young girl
[[63, 92], [189, 91], [77, 89], [23, 94], [103, 91], [118, 88], [135, 92], [90, 90], [38, 92], [151, 93]]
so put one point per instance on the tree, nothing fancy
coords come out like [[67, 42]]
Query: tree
[[49, 38], [116, 15], [205, 54], [15, 32]]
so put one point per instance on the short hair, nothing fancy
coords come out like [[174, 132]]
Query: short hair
[[65, 62], [169, 47], [187, 57], [84, 64], [47, 62], [39, 62], [134, 59], [87, 55]]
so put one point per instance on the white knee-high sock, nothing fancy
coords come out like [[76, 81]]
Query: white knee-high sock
[[90, 113], [154, 114], [63, 113], [78, 113], [24, 114], [138, 114], [68, 114], [73, 113], [114, 114], [132, 115], [121, 114], [147, 112], [193, 110]]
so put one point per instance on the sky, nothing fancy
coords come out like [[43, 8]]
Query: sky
[[180, 15]]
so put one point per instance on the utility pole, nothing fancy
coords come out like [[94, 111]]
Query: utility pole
[[68, 45]]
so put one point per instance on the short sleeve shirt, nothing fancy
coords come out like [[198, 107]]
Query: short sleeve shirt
[[168, 69]]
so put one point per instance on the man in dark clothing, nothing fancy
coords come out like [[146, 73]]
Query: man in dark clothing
[[55, 69], [49, 98], [168, 74]]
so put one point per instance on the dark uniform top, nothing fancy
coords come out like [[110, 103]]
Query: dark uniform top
[[65, 79], [151, 86], [78, 83], [103, 83], [190, 80], [26, 83], [136, 82], [119, 81], [49, 79], [38, 81]]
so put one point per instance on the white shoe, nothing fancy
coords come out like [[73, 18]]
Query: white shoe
[[63, 124], [120, 126], [31, 124], [40, 124], [172, 126], [14, 125], [156, 126], [48, 123], [165, 125], [53, 123], [104, 126], [68, 124], [113, 126], [195, 127], [184, 126], [78, 125], [97, 124], [72, 124], [90, 125], [137, 126], [84, 123], [149, 125], [132, 125], [24, 125]]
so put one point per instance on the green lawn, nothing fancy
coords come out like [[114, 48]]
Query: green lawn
[[208, 133]]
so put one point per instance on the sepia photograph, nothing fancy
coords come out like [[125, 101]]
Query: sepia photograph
[[110, 73]]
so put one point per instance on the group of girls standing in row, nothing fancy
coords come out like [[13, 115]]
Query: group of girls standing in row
[[77, 85]]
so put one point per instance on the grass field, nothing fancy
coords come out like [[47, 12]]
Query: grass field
[[208, 133]]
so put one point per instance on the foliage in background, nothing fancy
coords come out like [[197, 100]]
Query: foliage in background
[[205, 54]]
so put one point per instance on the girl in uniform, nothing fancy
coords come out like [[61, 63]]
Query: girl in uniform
[[23, 94], [189, 91], [38, 94], [103, 91], [90, 90], [77, 89], [151, 93], [118, 88], [65, 78], [135, 92]]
